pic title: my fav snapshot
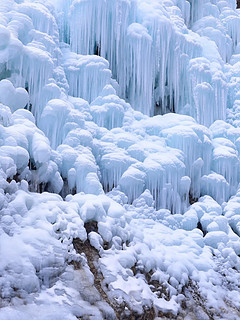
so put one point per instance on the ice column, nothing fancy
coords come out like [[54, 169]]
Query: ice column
[[138, 72]]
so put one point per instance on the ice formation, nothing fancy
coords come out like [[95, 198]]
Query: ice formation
[[119, 159]]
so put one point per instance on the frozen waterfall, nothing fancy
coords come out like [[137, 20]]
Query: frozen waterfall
[[119, 159]]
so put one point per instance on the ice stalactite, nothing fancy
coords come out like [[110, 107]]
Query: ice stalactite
[[53, 120], [232, 22], [108, 109], [87, 75], [112, 167], [216, 186], [37, 68], [123, 47], [138, 69], [86, 19], [104, 28], [63, 8], [161, 32], [214, 29], [164, 173], [226, 161], [209, 90], [41, 17], [33, 52], [169, 92]]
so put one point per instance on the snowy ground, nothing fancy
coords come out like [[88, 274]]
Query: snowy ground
[[119, 159]]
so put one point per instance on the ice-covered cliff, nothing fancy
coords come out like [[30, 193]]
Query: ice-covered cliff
[[119, 159]]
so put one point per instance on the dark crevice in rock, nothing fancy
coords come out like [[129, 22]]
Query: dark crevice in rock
[[91, 226], [158, 288], [192, 200], [97, 49], [15, 178], [107, 188], [31, 165], [165, 107], [92, 256], [66, 190], [199, 226]]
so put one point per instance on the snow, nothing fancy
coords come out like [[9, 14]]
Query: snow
[[14, 98], [119, 159]]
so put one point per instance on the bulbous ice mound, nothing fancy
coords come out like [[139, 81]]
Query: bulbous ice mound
[[4, 37], [119, 159], [14, 98]]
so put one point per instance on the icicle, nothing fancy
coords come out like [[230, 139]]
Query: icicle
[[112, 166], [86, 75], [216, 186], [225, 161], [164, 173], [108, 109], [41, 17], [138, 69], [53, 119]]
